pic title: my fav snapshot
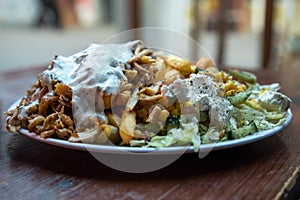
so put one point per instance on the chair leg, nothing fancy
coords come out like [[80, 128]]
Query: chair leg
[[268, 33], [221, 28]]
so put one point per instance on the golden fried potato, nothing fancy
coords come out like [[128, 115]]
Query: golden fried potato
[[180, 64], [107, 99], [87, 136], [170, 76], [159, 69], [67, 120], [204, 63], [146, 59], [45, 103], [127, 127], [130, 74], [63, 133], [148, 91], [123, 98], [146, 100], [47, 134], [133, 99], [35, 122], [164, 114], [154, 114], [164, 101], [62, 89], [114, 119], [109, 133]]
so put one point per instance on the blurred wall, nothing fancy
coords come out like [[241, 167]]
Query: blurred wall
[[18, 12], [171, 14]]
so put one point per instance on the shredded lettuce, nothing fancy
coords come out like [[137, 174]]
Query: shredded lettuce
[[253, 110], [246, 113], [178, 137], [264, 124], [251, 113]]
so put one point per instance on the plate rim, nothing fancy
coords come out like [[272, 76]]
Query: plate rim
[[260, 135]]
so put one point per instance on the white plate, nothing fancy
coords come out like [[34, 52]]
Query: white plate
[[168, 150]]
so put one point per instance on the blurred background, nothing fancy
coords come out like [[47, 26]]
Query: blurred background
[[249, 34]]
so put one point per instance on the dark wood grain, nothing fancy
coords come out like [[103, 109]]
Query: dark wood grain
[[34, 170]]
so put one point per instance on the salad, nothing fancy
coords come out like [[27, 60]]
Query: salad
[[129, 95]]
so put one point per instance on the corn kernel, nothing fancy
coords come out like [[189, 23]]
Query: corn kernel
[[229, 86], [107, 131], [230, 92], [188, 104], [222, 133], [262, 91]]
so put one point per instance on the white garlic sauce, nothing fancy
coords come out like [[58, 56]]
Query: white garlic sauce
[[97, 68]]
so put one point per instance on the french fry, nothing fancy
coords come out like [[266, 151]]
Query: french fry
[[126, 86], [164, 101], [63, 133], [171, 75], [101, 139], [107, 99], [133, 99], [150, 99], [148, 91], [114, 119], [127, 127], [154, 114], [204, 63], [114, 136], [45, 103], [164, 114], [130, 74], [123, 97], [180, 64], [87, 136], [140, 69], [146, 59], [108, 133], [34, 122], [160, 68]]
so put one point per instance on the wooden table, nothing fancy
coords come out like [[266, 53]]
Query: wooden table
[[266, 169]]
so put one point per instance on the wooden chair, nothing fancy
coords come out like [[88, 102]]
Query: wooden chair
[[195, 30], [266, 39]]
